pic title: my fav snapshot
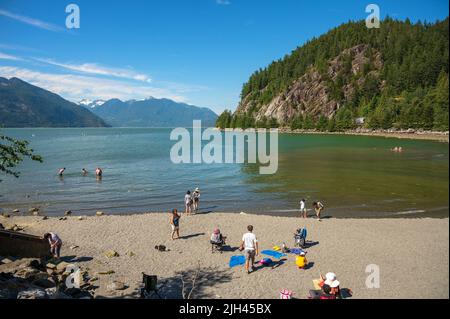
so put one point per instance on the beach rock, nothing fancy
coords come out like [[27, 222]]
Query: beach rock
[[74, 247], [32, 294], [16, 211], [6, 260], [33, 210], [107, 272], [44, 282], [51, 266], [68, 212], [80, 218], [44, 218], [99, 213], [61, 267], [54, 293], [116, 285], [63, 218], [27, 273], [6, 215], [111, 254]]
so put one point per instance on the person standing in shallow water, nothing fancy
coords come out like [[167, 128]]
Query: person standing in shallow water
[[175, 223], [196, 198], [303, 212], [188, 202]]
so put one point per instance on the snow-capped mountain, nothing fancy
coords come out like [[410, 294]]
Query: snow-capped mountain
[[91, 104]]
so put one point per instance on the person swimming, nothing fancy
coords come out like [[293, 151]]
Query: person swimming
[[84, 172], [61, 171], [99, 172]]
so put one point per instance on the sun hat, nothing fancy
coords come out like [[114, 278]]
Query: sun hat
[[302, 253], [331, 280], [197, 189]]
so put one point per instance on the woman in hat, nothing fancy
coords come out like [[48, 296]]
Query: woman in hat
[[196, 198], [331, 284]]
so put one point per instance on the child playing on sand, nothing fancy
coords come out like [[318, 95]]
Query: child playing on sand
[[55, 243], [301, 260]]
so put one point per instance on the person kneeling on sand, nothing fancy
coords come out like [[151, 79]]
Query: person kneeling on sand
[[330, 284], [250, 247], [55, 243], [175, 223]]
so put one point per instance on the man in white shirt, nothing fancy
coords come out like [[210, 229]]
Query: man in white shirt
[[250, 246]]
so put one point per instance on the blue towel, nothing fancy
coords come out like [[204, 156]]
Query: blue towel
[[236, 261], [273, 253], [296, 251]]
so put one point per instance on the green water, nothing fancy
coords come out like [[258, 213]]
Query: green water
[[354, 176]]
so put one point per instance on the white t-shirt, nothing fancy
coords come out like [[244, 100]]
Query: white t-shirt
[[250, 241], [302, 205], [187, 199], [54, 238]]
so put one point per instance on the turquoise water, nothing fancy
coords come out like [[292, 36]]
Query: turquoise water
[[355, 176]]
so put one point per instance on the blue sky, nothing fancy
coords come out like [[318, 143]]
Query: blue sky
[[196, 51]]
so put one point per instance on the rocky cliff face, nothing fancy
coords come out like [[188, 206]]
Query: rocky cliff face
[[311, 93]]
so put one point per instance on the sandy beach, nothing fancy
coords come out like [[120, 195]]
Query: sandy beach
[[412, 254]]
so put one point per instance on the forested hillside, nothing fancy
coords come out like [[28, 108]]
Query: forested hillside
[[393, 77]]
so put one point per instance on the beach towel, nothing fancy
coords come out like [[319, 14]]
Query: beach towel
[[273, 253], [265, 261], [276, 248], [296, 251], [236, 261]]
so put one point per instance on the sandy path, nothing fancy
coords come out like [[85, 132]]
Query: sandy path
[[413, 254]]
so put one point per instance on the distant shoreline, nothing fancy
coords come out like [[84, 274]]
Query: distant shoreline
[[400, 134], [405, 134]]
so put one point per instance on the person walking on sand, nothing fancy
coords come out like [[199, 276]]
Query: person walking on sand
[[250, 247], [175, 223], [303, 211], [55, 243], [188, 201], [318, 207], [196, 198]]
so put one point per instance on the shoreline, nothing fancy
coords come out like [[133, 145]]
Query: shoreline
[[404, 134], [400, 247]]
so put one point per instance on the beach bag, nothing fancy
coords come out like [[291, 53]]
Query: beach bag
[[286, 294]]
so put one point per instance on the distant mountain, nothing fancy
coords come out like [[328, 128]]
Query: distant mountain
[[89, 104], [26, 105], [152, 112]]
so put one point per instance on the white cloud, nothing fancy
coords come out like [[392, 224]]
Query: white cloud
[[31, 21], [4, 56], [223, 2], [77, 87], [93, 68]]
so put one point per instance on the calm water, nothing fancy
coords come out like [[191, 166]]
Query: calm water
[[352, 175]]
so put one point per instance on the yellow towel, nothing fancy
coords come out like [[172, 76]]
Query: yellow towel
[[276, 248], [316, 283]]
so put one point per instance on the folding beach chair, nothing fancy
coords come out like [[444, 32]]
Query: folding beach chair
[[150, 286]]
